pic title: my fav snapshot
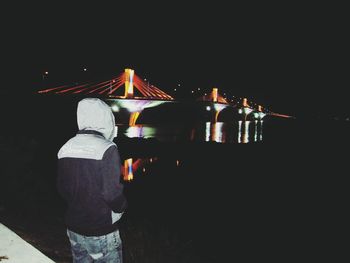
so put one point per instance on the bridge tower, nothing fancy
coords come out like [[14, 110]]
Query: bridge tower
[[129, 93], [259, 114], [219, 103], [214, 95], [245, 110], [129, 83]]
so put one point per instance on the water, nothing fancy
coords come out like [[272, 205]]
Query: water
[[267, 189], [234, 132], [275, 189], [280, 197]]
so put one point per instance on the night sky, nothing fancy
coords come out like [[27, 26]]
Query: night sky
[[293, 59]]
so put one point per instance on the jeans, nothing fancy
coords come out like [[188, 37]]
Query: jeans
[[101, 249]]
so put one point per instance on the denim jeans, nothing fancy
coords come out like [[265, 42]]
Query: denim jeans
[[101, 249]]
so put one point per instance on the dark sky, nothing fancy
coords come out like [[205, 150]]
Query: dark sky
[[291, 58]]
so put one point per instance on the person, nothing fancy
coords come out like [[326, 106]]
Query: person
[[88, 179]]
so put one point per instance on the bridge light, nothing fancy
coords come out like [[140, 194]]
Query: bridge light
[[46, 73], [115, 108]]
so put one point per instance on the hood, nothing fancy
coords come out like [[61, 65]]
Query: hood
[[95, 114]]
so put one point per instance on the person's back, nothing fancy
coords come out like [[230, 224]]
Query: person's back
[[89, 180]]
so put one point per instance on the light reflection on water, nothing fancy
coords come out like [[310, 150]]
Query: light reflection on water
[[138, 166], [221, 132], [162, 133], [141, 131]]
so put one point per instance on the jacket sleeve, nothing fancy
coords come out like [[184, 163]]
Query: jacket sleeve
[[61, 181], [112, 189]]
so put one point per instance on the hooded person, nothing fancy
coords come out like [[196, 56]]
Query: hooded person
[[88, 179]]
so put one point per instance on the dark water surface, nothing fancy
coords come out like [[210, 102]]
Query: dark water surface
[[199, 191]]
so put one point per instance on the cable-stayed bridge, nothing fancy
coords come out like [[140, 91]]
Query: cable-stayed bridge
[[129, 91]]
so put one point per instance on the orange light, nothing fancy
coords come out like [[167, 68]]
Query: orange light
[[214, 94], [128, 172]]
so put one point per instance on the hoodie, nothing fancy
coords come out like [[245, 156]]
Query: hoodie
[[89, 170]]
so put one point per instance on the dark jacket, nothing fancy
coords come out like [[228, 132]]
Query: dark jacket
[[89, 172]]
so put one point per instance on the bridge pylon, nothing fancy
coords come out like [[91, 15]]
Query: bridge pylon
[[129, 83], [245, 110], [214, 94], [216, 102], [259, 114]]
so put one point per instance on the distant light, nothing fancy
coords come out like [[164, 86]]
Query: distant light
[[145, 79], [178, 84], [208, 108], [192, 91], [207, 131], [46, 73], [85, 69], [199, 88], [174, 89], [115, 108]]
